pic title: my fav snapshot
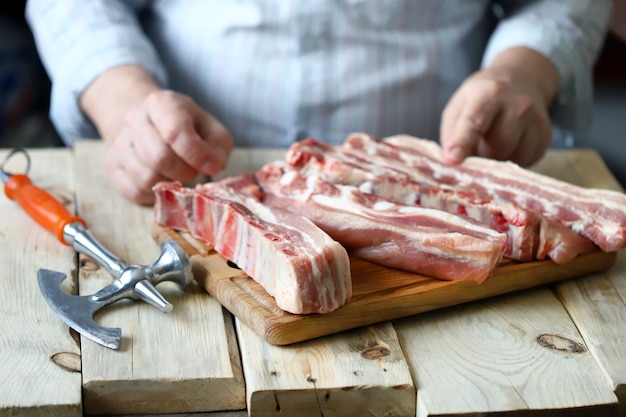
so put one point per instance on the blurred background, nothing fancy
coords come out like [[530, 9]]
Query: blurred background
[[25, 89], [608, 133], [24, 86]]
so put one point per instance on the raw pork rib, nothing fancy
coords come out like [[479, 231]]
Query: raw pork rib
[[530, 236], [294, 260], [597, 214], [582, 210], [416, 239]]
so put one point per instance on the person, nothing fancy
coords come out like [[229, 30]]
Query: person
[[172, 86]]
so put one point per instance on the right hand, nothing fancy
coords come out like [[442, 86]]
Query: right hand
[[166, 137], [501, 111]]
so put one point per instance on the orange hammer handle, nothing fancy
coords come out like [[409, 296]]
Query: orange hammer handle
[[40, 205]]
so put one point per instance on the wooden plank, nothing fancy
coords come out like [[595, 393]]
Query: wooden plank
[[265, 397], [39, 358], [238, 413], [597, 303], [489, 354], [615, 338], [512, 355], [599, 311], [361, 372], [379, 293], [597, 401], [185, 361]]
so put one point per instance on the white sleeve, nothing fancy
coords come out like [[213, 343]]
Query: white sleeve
[[570, 34], [77, 41]]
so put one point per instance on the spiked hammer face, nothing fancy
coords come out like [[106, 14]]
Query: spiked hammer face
[[133, 282], [76, 311]]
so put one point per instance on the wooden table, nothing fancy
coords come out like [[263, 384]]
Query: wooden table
[[557, 350]]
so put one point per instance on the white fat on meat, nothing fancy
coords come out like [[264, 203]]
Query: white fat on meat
[[597, 214], [530, 236], [420, 240], [297, 263], [424, 168]]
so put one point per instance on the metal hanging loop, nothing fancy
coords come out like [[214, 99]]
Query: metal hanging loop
[[4, 174]]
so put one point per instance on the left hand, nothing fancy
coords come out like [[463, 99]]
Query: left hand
[[501, 112]]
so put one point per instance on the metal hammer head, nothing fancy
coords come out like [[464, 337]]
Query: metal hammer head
[[135, 282], [173, 265], [76, 311]]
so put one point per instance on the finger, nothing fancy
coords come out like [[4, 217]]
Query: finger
[[124, 183], [474, 121], [534, 141], [128, 174], [177, 127], [518, 133], [503, 136], [449, 118], [215, 134], [153, 152], [144, 175]]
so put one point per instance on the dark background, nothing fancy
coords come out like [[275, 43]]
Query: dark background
[[608, 132]]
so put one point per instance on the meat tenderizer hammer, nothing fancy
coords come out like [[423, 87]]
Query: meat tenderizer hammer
[[132, 282]]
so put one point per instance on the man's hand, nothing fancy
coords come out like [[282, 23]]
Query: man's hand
[[501, 112], [168, 137], [152, 134]]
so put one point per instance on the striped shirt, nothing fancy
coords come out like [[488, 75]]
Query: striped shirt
[[276, 71]]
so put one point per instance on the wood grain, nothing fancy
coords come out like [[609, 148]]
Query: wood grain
[[597, 303], [489, 354], [40, 360], [599, 312], [504, 355], [185, 361], [379, 293], [478, 358], [361, 372]]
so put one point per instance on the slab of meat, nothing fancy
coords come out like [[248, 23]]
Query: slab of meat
[[530, 236], [294, 260], [422, 159], [597, 214], [416, 239]]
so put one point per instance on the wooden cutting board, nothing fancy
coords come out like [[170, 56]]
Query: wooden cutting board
[[379, 293]]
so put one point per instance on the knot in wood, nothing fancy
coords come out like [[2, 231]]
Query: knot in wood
[[87, 264], [67, 361], [375, 352], [232, 264], [560, 343]]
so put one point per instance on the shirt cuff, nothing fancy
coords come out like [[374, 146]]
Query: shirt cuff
[[71, 123]]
